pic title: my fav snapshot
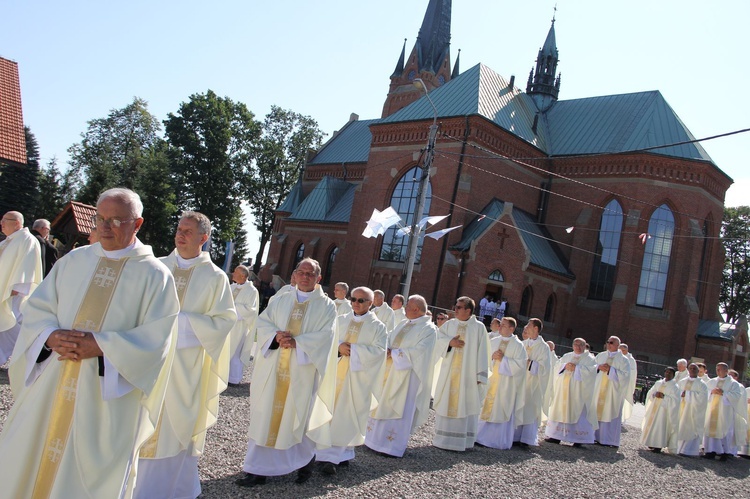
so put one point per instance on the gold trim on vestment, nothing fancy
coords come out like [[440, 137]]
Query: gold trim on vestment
[[603, 391], [656, 404], [90, 316], [489, 400], [713, 408], [688, 387], [457, 361], [568, 378], [352, 333], [396, 343], [182, 282], [283, 374]]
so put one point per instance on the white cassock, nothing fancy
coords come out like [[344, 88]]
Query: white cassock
[[20, 272], [283, 289], [75, 427], [243, 333], [385, 313], [343, 307], [461, 384], [286, 382], [572, 414], [725, 429], [609, 395], [745, 449], [550, 385], [662, 418], [357, 381], [399, 314], [680, 375], [503, 404], [537, 375], [405, 396], [627, 408], [692, 415], [169, 459]]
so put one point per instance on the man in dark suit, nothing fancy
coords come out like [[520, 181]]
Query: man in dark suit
[[40, 230]]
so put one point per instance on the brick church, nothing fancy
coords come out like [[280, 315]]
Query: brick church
[[600, 215]]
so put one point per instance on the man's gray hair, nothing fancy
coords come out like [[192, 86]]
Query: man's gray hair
[[365, 290], [17, 216], [243, 269], [343, 286], [311, 261], [127, 197], [420, 302], [379, 293], [40, 223], [682, 362], [204, 224], [400, 298]]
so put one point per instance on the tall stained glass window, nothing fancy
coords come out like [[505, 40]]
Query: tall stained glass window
[[404, 201], [655, 268], [603, 273]]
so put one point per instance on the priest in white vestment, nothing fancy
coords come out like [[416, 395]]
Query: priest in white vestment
[[463, 347], [660, 423], [550, 381], [20, 273], [572, 412], [537, 375], [357, 379], [682, 371], [383, 311], [627, 408], [296, 335], [494, 328], [406, 383], [610, 390], [693, 399], [340, 292], [399, 312], [90, 368], [243, 333], [744, 451], [503, 404], [725, 429], [169, 459]]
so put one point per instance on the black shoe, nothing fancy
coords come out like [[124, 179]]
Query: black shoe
[[345, 464], [477, 444], [250, 480], [709, 455], [327, 468], [577, 445], [655, 450], [523, 445], [552, 440], [233, 385], [724, 457], [305, 472]]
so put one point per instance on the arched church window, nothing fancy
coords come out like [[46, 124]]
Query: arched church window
[[404, 201], [299, 255], [526, 299], [496, 275], [603, 273], [549, 310], [655, 268], [329, 267]]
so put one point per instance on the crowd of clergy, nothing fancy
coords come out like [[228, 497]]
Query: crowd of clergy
[[118, 358]]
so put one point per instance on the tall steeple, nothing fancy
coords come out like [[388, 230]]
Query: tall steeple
[[429, 59], [544, 82]]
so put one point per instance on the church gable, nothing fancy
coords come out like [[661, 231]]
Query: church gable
[[330, 201]]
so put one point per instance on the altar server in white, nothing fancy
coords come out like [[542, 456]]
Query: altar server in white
[[243, 333]]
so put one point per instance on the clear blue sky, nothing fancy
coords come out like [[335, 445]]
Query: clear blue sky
[[328, 58]]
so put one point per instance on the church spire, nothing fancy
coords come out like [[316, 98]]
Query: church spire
[[429, 59], [455, 72], [544, 82]]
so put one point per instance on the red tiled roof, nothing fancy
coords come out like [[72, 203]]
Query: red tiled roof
[[81, 214], [12, 137]]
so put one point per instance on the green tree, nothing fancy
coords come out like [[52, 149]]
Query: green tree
[[18, 182], [212, 143], [735, 282], [286, 141], [125, 150], [55, 190]]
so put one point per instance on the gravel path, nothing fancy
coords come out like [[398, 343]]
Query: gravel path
[[545, 471]]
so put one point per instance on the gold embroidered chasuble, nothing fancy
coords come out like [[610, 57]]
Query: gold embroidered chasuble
[[295, 411], [692, 408], [720, 415], [572, 395], [135, 335], [199, 373], [536, 385], [660, 422], [357, 391], [20, 262], [413, 341], [461, 384], [609, 395], [505, 394]]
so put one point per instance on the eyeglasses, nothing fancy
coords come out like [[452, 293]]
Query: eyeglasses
[[306, 275], [358, 300], [98, 221], [458, 307]]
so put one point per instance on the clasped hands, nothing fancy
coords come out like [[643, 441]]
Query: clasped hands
[[570, 367], [604, 368], [345, 349], [717, 391], [659, 395], [498, 355], [73, 345], [456, 342], [285, 339]]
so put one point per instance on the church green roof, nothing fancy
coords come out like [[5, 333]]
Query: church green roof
[[330, 201]]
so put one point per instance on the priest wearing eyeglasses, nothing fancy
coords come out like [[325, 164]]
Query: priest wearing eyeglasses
[[296, 347], [361, 357]]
